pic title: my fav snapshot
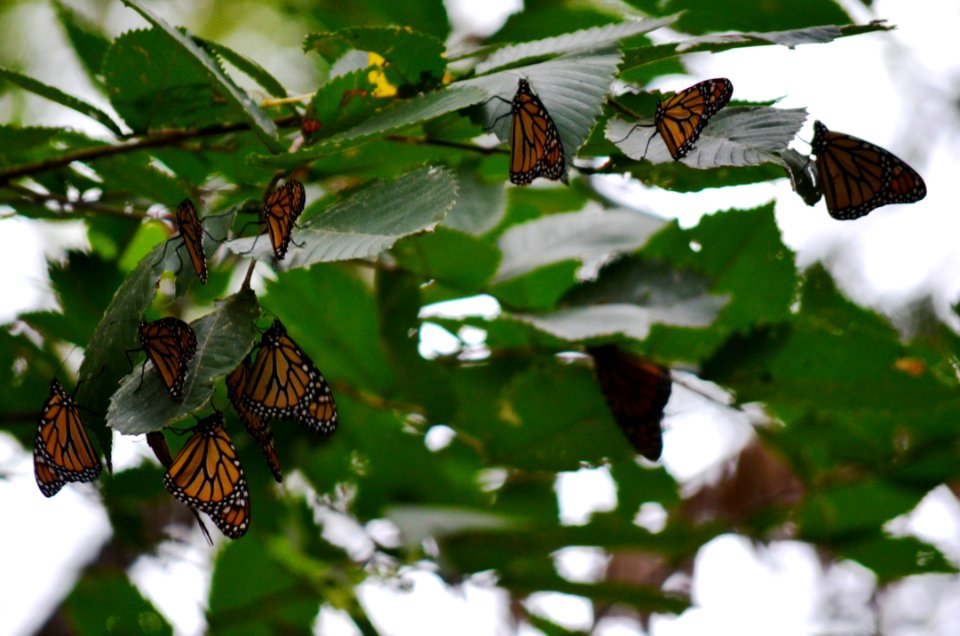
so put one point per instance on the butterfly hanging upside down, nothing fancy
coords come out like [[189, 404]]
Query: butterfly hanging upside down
[[681, 118], [535, 146], [206, 475], [636, 391], [281, 383], [62, 450], [857, 176], [170, 344], [281, 209]]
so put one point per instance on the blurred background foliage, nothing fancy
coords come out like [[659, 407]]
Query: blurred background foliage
[[458, 447]]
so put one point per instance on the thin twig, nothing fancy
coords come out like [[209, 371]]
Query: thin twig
[[426, 141], [159, 138], [77, 204]]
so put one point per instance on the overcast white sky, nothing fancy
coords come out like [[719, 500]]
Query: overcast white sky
[[896, 89]]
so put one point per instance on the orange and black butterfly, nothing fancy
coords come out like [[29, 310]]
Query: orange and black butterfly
[[257, 426], [191, 232], [284, 383], [857, 176], [158, 444], [62, 450], [637, 391], [207, 476], [535, 146], [170, 344], [682, 117], [281, 209]]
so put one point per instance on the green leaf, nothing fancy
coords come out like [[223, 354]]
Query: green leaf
[[578, 235], [83, 285], [412, 59], [704, 17], [343, 102], [893, 558], [538, 289], [585, 40], [275, 601], [480, 206], [641, 56], [246, 65], [418, 523], [155, 85], [741, 250], [367, 221], [840, 513], [450, 257], [215, 76], [224, 337], [87, 39], [107, 600], [64, 99]]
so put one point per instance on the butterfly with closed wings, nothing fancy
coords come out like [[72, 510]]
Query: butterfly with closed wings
[[62, 451], [636, 391]]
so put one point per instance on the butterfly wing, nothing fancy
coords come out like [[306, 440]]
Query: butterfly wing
[[681, 118], [857, 176], [282, 377], [535, 146], [636, 391], [319, 413], [62, 451], [188, 224], [170, 344], [258, 427], [206, 475], [281, 209]]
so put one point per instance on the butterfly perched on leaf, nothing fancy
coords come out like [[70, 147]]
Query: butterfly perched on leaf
[[636, 391], [206, 475], [191, 232], [284, 383], [681, 118], [257, 426], [857, 176], [170, 344], [535, 146], [281, 209], [62, 451]]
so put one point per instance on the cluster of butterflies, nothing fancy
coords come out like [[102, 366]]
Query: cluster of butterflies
[[281, 209], [855, 176], [280, 382]]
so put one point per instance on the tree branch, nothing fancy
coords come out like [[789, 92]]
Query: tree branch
[[159, 138]]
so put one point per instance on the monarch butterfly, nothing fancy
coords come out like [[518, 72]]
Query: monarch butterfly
[[637, 391], [188, 224], [284, 383], [682, 117], [158, 444], [257, 426], [62, 450], [857, 176], [281, 209], [170, 343], [207, 476], [535, 146]]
